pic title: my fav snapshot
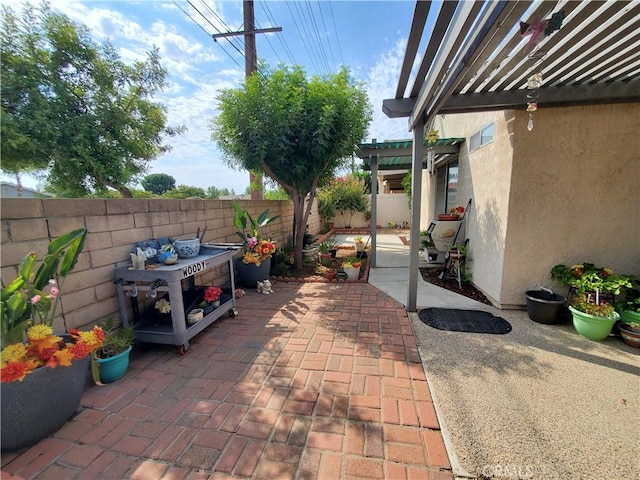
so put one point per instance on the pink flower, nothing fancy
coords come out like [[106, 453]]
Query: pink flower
[[252, 242], [54, 293], [35, 299]]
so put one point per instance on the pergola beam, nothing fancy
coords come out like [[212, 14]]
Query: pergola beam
[[585, 94], [415, 35]]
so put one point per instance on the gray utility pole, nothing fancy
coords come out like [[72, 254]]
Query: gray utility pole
[[250, 66]]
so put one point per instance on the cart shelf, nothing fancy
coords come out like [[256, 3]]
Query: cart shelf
[[173, 328]]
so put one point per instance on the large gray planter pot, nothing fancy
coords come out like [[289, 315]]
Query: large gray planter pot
[[39, 405], [250, 275]]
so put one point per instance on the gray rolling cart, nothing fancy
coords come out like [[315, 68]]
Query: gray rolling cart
[[168, 278]]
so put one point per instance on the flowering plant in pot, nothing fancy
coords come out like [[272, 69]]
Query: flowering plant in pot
[[111, 360], [586, 277], [42, 374], [211, 299], [29, 305], [255, 249], [593, 317]]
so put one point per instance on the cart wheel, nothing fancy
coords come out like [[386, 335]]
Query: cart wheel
[[233, 312], [182, 349]]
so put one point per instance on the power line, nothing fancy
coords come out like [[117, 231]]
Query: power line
[[312, 21], [324, 26], [203, 29], [311, 57], [336, 30], [267, 11], [270, 44], [223, 23]]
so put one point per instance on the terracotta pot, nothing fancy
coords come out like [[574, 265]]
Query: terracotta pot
[[629, 336], [330, 273], [445, 217]]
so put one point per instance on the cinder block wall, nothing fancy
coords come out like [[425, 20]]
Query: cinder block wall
[[113, 226]]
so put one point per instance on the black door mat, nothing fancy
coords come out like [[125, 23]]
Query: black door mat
[[473, 321]]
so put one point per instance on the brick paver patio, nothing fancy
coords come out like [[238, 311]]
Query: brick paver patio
[[314, 381]]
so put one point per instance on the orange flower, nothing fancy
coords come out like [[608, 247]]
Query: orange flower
[[65, 355], [13, 371], [79, 350], [46, 349]]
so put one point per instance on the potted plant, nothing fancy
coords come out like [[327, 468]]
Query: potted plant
[[587, 278], [458, 251], [629, 309], [111, 361], [211, 299], [255, 263], [330, 273], [351, 266], [593, 317], [324, 253], [629, 306], [333, 245], [43, 374], [359, 243], [453, 215], [592, 291]]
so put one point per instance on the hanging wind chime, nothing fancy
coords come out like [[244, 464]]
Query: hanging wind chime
[[537, 30]]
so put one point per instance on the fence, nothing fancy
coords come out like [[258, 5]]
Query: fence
[[113, 227]]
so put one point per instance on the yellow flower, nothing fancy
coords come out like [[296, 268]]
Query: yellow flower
[[90, 339], [39, 332], [14, 352]]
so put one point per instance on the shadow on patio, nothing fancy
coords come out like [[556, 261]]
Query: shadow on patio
[[314, 381]]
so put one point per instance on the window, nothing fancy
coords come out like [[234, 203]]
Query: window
[[447, 187], [482, 137]]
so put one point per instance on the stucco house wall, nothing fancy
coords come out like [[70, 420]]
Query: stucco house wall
[[566, 192], [575, 194]]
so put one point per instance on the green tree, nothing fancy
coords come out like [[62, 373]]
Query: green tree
[[345, 194], [158, 183], [185, 191], [276, 194], [72, 108], [295, 130], [406, 184]]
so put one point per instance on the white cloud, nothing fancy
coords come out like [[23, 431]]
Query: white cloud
[[198, 69], [382, 80]]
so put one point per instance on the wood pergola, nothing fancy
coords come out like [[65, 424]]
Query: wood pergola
[[479, 57]]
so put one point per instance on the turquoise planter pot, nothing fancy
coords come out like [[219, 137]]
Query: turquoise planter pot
[[113, 368], [593, 327]]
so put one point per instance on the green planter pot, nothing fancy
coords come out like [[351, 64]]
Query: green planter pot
[[629, 316], [593, 327], [113, 368], [250, 274], [39, 405]]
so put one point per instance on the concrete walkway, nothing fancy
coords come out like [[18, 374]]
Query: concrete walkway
[[391, 275], [541, 402]]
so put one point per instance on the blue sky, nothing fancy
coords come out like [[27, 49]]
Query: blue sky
[[367, 36]]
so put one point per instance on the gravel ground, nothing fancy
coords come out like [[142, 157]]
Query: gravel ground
[[540, 402]]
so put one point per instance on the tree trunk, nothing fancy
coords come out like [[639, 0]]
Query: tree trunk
[[300, 222]]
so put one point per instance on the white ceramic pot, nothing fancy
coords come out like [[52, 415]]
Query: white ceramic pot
[[195, 315], [187, 248]]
